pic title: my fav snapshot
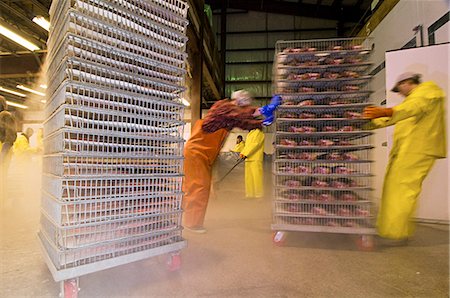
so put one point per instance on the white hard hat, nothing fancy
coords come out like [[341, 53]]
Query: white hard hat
[[242, 97], [403, 77]]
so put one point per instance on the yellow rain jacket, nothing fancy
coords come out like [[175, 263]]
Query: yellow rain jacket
[[238, 148], [21, 146], [419, 139], [254, 175]]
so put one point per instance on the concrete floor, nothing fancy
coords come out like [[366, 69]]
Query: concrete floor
[[235, 258]]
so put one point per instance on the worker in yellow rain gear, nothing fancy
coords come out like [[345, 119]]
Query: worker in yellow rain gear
[[21, 147], [253, 153], [240, 143], [419, 139]]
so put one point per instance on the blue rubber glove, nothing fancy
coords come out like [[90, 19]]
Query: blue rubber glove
[[276, 100], [267, 121], [268, 110]]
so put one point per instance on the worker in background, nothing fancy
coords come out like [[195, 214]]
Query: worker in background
[[203, 147], [21, 147], [8, 135], [240, 143], [253, 153], [419, 139]]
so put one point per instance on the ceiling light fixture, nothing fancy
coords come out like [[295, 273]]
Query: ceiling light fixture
[[43, 86], [41, 21], [17, 105], [22, 87], [18, 39], [12, 92]]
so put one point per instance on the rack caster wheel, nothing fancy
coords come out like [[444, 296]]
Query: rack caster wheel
[[69, 288], [174, 262], [365, 243], [279, 238]]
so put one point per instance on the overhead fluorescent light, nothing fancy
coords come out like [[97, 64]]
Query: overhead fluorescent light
[[22, 87], [43, 101], [12, 92], [15, 104], [185, 102], [18, 39], [41, 21], [43, 86]]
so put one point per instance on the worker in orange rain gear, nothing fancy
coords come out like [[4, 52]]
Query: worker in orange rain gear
[[253, 153], [419, 139], [204, 145]]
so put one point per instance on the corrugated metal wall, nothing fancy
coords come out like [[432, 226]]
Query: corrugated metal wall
[[251, 38]]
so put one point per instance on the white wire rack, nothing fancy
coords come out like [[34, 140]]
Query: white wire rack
[[74, 117], [122, 15], [101, 144], [89, 96], [171, 13], [82, 235], [92, 29], [88, 188], [113, 146], [78, 71], [74, 165], [71, 258], [322, 166], [90, 51], [75, 213]]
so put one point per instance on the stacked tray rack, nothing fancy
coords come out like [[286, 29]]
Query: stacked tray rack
[[322, 166], [113, 147]]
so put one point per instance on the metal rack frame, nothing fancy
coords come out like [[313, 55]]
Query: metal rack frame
[[113, 146], [322, 167]]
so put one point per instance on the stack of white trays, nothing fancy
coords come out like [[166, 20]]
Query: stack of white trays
[[113, 157]]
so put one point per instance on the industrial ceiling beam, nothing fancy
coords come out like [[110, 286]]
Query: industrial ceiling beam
[[20, 64], [351, 13], [41, 7], [27, 21]]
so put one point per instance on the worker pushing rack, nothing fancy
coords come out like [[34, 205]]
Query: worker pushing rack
[[113, 147], [322, 167]]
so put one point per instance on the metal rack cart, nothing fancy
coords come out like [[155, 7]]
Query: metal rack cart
[[113, 147], [322, 170]]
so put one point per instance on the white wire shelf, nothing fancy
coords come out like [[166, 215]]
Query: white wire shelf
[[159, 104], [73, 189]]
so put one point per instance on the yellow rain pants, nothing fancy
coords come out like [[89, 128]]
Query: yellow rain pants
[[402, 186], [419, 139], [254, 174]]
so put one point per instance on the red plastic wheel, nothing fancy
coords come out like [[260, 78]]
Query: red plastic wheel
[[174, 262], [70, 288], [278, 238], [365, 243]]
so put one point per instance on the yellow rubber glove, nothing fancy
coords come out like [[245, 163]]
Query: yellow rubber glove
[[377, 112]]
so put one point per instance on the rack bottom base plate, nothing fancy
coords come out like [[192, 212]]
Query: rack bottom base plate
[[323, 229], [64, 274]]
